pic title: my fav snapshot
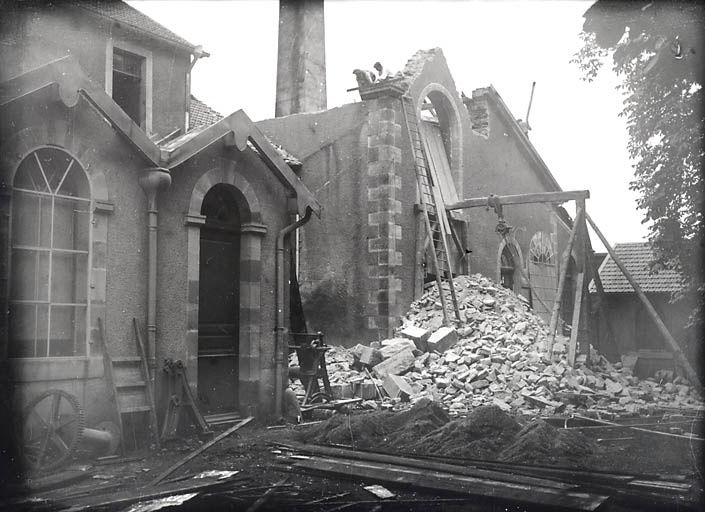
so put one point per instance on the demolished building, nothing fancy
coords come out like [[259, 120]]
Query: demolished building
[[367, 260]]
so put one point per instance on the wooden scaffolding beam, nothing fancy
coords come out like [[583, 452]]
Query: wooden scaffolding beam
[[677, 352]]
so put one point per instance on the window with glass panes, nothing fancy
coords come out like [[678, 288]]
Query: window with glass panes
[[51, 219], [128, 84]]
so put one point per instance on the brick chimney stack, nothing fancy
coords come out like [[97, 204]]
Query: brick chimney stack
[[301, 62]]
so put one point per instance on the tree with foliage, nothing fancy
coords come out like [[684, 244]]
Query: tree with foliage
[[658, 53]]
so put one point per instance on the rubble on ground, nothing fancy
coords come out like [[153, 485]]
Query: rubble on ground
[[496, 356]]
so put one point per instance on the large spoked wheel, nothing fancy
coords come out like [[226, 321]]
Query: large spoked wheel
[[52, 428]]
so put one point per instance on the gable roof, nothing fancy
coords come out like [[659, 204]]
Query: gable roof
[[637, 257], [121, 12], [539, 165], [66, 77], [201, 114]]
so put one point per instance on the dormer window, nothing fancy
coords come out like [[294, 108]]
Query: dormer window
[[129, 87]]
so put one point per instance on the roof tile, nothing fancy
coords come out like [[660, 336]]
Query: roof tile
[[637, 257], [128, 15]]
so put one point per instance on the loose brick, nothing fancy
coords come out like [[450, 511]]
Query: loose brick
[[442, 339], [397, 387], [418, 335], [396, 364]]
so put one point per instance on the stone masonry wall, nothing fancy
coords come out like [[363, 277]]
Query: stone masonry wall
[[383, 214]]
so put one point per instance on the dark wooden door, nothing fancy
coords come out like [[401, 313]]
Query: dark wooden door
[[218, 320]]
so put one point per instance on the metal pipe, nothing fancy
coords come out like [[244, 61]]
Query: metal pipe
[[152, 181], [279, 328]]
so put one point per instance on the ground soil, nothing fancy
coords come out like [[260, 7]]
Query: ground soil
[[486, 433]]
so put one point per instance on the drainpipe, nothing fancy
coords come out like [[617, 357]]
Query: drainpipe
[[152, 180], [279, 329]]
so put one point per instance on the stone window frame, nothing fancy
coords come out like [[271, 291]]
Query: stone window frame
[[18, 146], [111, 45], [53, 198], [514, 246], [455, 159], [252, 232]]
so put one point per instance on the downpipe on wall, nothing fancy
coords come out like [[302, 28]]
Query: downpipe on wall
[[152, 180], [279, 328]]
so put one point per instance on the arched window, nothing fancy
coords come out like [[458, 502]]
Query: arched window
[[507, 268], [542, 274], [51, 219]]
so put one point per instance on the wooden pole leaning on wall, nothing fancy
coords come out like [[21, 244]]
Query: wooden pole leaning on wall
[[677, 352], [561, 281]]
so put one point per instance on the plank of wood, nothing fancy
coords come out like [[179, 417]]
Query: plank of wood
[[440, 481], [670, 340], [55, 480], [129, 496], [200, 450], [426, 464], [639, 429], [578, 303], [539, 197], [565, 258], [263, 499], [148, 383]]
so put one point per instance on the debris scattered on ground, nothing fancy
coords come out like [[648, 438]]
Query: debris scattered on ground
[[497, 356]]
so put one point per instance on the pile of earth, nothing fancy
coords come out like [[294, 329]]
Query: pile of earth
[[486, 432]]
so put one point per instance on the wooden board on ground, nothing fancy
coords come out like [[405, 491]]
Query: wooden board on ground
[[427, 464]]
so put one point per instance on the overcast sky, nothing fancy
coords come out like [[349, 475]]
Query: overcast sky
[[509, 44]]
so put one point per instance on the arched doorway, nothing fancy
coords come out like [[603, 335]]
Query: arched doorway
[[219, 300]]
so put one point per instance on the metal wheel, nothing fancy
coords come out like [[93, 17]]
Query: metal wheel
[[52, 427]]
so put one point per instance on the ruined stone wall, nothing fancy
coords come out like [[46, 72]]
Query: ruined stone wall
[[499, 165]]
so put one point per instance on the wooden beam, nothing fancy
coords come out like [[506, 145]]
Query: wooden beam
[[411, 462], [680, 357], [263, 499], [639, 429], [440, 481], [561, 281], [200, 450], [539, 197], [578, 302]]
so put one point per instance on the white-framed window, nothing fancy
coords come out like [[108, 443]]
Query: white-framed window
[[50, 256], [128, 80]]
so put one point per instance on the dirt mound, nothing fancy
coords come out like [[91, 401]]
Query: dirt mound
[[484, 432], [540, 442], [378, 429]]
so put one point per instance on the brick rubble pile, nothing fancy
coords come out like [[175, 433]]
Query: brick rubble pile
[[498, 355]]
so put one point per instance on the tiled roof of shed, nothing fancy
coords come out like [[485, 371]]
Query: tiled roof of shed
[[201, 114], [128, 15], [637, 257]]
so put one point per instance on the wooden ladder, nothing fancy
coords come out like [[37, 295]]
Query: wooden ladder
[[131, 389], [434, 213]]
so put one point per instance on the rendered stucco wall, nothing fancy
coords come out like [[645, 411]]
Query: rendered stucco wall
[[52, 33]]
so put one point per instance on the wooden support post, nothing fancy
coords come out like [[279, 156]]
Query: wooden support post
[[576, 318], [561, 281], [677, 352], [601, 301]]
